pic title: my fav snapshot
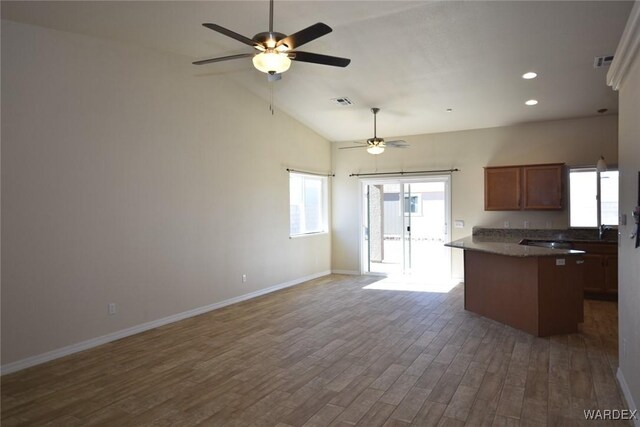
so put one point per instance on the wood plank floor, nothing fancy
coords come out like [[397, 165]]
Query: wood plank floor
[[329, 352]]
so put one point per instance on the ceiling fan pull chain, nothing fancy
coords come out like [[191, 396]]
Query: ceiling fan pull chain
[[271, 99]]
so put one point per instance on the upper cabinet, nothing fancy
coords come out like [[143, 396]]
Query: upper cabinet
[[529, 187], [542, 186], [502, 188]]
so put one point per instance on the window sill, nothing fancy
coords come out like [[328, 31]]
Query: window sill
[[299, 236]]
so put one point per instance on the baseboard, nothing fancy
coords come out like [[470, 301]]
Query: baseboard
[[94, 342], [348, 272], [627, 395]]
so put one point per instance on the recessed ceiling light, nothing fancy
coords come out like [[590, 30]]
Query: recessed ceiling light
[[530, 75], [531, 102]]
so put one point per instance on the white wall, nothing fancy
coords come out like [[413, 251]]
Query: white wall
[[629, 255], [575, 142], [127, 179]]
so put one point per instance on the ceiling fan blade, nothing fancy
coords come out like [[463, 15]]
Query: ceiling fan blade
[[397, 143], [231, 34], [223, 58], [355, 146], [317, 58], [305, 36]]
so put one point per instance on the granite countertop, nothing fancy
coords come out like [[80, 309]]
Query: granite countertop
[[507, 246], [575, 235]]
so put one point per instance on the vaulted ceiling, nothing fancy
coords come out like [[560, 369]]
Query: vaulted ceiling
[[412, 59]]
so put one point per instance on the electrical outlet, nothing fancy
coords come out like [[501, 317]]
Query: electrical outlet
[[560, 261], [624, 347], [112, 308], [507, 224], [526, 224], [244, 278], [458, 223]]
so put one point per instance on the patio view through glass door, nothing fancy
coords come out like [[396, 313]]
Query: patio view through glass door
[[405, 227]]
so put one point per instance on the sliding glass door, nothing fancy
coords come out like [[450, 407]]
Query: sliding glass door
[[405, 226]]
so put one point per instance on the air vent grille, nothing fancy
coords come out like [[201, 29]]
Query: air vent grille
[[342, 101], [602, 61]]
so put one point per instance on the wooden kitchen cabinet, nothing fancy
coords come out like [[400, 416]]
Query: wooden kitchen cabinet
[[525, 187], [600, 269], [536, 294], [611, 274], [542, 187], [593, 273], [502, 188]]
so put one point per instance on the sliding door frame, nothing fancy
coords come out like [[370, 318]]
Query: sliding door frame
[[363, 199]]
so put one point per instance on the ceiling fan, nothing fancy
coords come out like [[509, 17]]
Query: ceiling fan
[[377, 145], [275, 51]]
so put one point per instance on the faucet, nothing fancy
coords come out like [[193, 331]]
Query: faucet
[[602, 229]]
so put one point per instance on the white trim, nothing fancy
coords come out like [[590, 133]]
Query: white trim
[[627, 50], [94, 342], [627, 395], [348, 272], [303, 235]]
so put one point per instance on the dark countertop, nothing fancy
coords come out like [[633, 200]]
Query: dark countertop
[[508, 247], [574, 235]]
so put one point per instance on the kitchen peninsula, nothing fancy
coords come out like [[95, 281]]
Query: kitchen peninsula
[[536, 289]]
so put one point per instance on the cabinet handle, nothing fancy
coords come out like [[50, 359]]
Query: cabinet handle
[[581, 261]]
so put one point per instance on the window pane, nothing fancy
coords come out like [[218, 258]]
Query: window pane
[[312, 205], [582, 198], [306, 204], [609, 197], [295, 204]]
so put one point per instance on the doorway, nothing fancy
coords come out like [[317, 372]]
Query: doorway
[[406, 222]]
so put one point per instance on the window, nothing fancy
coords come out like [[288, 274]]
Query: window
[[307, 204], [412, 205], [583, 197]]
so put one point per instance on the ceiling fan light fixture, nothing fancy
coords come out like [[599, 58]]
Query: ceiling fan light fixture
[[271, 62], [375, 149]]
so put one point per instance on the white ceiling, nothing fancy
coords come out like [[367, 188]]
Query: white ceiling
[[412, 59]]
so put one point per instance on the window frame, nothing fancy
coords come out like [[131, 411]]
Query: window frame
[[591, 168], [324, 200]]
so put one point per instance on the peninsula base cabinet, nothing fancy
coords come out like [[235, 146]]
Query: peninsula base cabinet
[[541, 295]]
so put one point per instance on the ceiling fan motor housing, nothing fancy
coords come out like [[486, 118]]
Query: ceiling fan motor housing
[[268, 39], [375, 141]]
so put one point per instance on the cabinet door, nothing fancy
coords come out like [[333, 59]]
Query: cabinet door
[[611, 274], [594, 273], [502, 189], [543, 187]]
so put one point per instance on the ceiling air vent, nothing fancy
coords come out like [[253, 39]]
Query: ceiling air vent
[[342, 101], [602, 61]]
